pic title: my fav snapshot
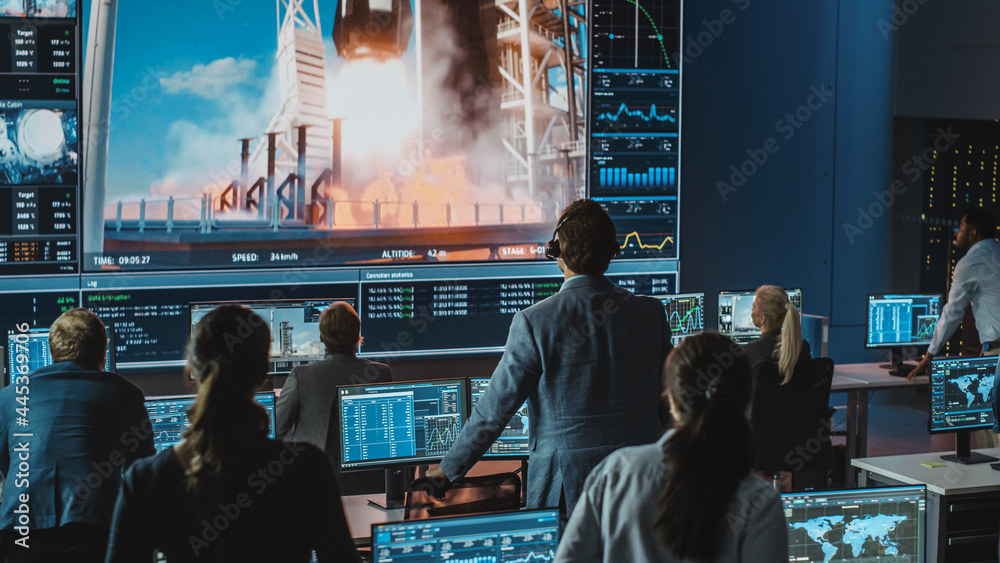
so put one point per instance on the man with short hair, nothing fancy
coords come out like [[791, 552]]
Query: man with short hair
[[67, 432], [588, 361], [304, 409], [976, 280]]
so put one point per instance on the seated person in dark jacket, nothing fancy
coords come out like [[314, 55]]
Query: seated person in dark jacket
[[68, 430], [773, 359], [305, 406], [226, 492]]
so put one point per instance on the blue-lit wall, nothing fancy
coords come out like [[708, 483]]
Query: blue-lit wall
[[787, 131]]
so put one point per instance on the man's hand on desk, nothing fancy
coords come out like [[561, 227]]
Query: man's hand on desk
[[434, 483], [921, 368]]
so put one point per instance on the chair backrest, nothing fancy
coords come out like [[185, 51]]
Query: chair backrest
[[791, 422]]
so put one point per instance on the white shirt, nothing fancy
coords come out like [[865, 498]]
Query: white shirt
[[613, 520], [976, 280]]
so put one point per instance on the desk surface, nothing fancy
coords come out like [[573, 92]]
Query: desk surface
[[952, 478], [874, 377], [361, 514]]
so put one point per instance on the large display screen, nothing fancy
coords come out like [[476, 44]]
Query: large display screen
[[634, 120], [39, 132], [361, 132]]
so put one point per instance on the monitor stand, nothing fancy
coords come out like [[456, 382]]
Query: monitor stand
[[964, 453], [397, 479], [896, 366]]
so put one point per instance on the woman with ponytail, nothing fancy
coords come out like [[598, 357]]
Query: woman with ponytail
[[226, 492], [773, 360], [711, 508]]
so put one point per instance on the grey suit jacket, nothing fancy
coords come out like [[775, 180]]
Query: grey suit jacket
[[304, 406], [588, 361]]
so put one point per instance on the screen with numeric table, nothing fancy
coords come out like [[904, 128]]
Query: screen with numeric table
[[527, 536], [902, 319], [400, 423]]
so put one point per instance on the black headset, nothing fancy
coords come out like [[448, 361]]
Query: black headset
[[552, 250]]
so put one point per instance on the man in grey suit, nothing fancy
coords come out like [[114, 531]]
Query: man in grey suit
[[587, 360], [304, 409]]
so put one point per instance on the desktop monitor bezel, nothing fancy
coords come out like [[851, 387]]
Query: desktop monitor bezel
[[921, 556], [963, 446], [753, 292], [272, 361], [883, 345], [487, 455], [272, 415], [394, 463]]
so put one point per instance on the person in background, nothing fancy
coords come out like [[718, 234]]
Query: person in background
[[304, 409], [773, 360], [587, 360], [975, 281], [75, 427], [711, 508], [226, 492]]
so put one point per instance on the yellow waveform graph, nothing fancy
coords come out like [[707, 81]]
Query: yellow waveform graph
[[642, 246]]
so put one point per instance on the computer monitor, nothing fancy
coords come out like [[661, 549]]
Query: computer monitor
[[734, 313], [686, 313], [409, 423], [901, 322], [513, 442], [960, 401], [523, 536], [29, 350], [169, 416], [879, 524], [294, 325]]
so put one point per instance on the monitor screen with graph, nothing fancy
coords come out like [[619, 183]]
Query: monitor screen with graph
[[29, 350], [294, 328], [526, 536], [513, 442], [686, 313], [399, 423], [734, 313], [896, 320], [883, 524], [169, 416]]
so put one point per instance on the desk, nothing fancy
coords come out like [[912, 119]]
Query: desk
[[963, 501], [361, 514], [856, 380]]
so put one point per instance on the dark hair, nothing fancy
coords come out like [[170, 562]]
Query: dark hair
[[711, 451], [227, 354], [78, 335], [984, 222], [340, 328], [586, 236]]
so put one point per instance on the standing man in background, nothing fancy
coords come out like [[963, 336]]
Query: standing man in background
[[304, 409], [84, 427], [976, 280], [588, 361]]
